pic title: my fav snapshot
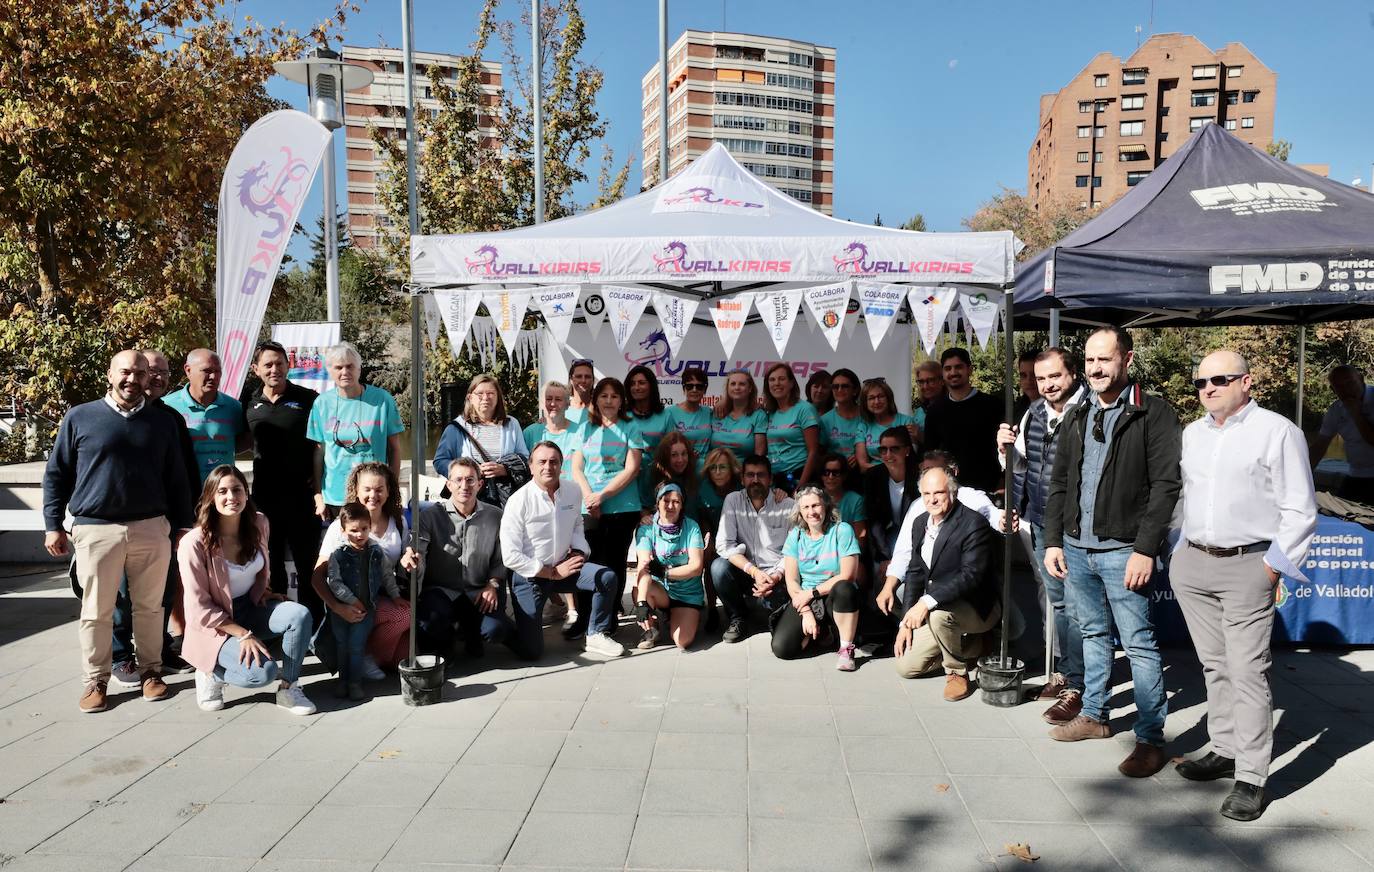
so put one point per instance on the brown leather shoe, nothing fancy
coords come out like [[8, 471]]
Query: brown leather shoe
[[1144, 761], [1053, 687], [154, 688], [957, 687], [93, 699], [1065, 709], [1080, 728]]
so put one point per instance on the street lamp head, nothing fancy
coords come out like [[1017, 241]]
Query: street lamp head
[[326, 77]]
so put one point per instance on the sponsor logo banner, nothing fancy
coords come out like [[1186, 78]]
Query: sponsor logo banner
[[306, 344], [264, 187], [980, 314], [708, 194], [558, 305], [675, 314], [828, 304], [779, 313], [623, 308], [1261, 198], [856, 260], [507, 311], [486, 262], [457, 309], [880, 305], [729, 316], [678, 259], [930, 306]]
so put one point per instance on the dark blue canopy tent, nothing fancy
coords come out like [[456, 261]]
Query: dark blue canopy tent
[[1220, 233]]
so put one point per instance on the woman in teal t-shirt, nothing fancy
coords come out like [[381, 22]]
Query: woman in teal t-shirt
[[794, 441], [690, 417], [674, 463], [842, 426], [604, 467], [739, 424], [646, 408], [554, 425], [820, 565], [879, 409], [581, 378], [668, 591]]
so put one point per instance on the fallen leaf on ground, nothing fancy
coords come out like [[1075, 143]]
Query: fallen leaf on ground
[[941, 788], [1020, 851], [388, 754]]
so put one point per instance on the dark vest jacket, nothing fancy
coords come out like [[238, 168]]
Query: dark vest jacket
[[1033, 485]]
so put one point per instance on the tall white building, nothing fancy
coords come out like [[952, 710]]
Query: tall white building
[[770, 101]]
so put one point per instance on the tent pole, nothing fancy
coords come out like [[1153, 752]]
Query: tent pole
[[1009, 401], [1054, 328], [417, 351], [1302, 370]]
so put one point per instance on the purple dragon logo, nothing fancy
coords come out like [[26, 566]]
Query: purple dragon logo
[[486, 257], [673, 258], [852, 261], [706, 195], [656, 351], [269, 201]]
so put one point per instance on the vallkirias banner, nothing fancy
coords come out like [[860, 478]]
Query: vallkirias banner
[[264, 186]]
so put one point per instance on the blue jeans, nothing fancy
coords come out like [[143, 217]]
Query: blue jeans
[[529, 596], [350, 641], [1066, 631], [1096, 590], [287, 620]]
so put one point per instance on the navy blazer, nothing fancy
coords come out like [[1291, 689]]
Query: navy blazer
[[961, 562]]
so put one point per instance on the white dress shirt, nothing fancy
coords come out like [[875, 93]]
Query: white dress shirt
[[1249, 481], [538, 530], [970, 497], [1052, 419], [124, 413], [757, 534]]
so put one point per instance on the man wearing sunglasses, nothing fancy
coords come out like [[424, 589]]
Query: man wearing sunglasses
[[1249, 513], [1111, 498]]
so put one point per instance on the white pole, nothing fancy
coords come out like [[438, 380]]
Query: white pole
[[537, 80], [331, 240], [662, 90], [417, 352]]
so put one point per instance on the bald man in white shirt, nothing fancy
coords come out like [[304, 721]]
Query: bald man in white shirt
[[1249, 514]]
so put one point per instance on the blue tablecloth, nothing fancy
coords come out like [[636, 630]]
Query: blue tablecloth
[[1334, 607]]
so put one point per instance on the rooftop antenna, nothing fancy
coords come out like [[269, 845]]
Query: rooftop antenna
[[1152, 17], [1137, 36]]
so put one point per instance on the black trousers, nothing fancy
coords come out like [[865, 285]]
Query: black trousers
[[294, 525], [436, 614], [844, 598]]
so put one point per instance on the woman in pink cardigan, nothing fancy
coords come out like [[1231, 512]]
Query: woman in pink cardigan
[[230, 613]]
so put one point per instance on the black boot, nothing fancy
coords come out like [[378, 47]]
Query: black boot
[[1207, 768], [1245, 803]]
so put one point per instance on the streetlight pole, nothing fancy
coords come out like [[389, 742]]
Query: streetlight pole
[[662, 90], [537, 88]]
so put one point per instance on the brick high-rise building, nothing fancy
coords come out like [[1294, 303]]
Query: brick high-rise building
[[383, 103], [1117, 120], [770, 101]]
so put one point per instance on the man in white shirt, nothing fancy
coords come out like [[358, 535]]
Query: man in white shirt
[[1249, 514], [543, 546], [1352, 418], [754, 523]]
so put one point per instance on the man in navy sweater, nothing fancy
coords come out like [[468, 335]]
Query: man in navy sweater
[[117, 467]]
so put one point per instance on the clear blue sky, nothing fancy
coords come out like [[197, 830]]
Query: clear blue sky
[[937, 103]]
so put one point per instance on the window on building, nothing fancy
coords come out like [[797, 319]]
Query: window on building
[[1132, 128], [1197, 123], [739, 53], [1249, 96], [1134, 177], [1085, 131], [1133, 101], [1204, 98], [1248, 121], [787, 80], [1100, 81], [742, 146], [1234, 72], [1099, 132], [1134, 76], [1128, 153], [1232, 98], [1097, 157], [1080, 181], [739, 122], [1082, 157], [1205, 71], [1162, 135], [1085, 105], [1230, 124]]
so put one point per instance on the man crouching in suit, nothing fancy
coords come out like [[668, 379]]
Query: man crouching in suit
[[950, 592]]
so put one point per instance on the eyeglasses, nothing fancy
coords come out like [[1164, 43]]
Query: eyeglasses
[[1098, 419], [832, 472], [1216, 381], [694, 386], [841, 386], [353, 446]]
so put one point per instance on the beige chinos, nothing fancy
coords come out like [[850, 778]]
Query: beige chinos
[[105, 555], [943, 640]]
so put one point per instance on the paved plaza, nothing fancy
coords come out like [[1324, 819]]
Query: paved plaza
[[722, 758]]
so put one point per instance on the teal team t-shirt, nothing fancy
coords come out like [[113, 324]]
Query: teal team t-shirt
[[696, 426], [576, 417], [852, 508], [672, 551], [873, 432], [841, 434], [352, 431], [214, 428], [737, 432], [651, 430], [567, 440], [604, 450], [786, 436], [819, 559]]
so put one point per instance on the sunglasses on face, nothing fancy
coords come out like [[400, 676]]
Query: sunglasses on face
[[833, 472], [1216, 381], [890, 449], [694, 386], [841, 386]]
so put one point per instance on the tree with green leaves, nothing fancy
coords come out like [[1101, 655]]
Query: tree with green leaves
[[916, 222], [1279, 148]]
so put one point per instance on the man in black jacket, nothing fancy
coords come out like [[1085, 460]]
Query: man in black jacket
[[1111, 498], [950, 597], [966, 423]]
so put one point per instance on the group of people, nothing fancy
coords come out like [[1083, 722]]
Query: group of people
[[823, 512]]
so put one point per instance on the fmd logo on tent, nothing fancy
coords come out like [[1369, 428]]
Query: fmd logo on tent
[[1260, 198], [1250, 278]]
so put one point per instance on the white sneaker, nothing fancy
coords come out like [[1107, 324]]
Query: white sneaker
[[209, 692], [600, 643], [371, 671], [126, 674], [294, 700]]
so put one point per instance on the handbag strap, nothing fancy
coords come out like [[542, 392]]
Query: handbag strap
[[486, 458]]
